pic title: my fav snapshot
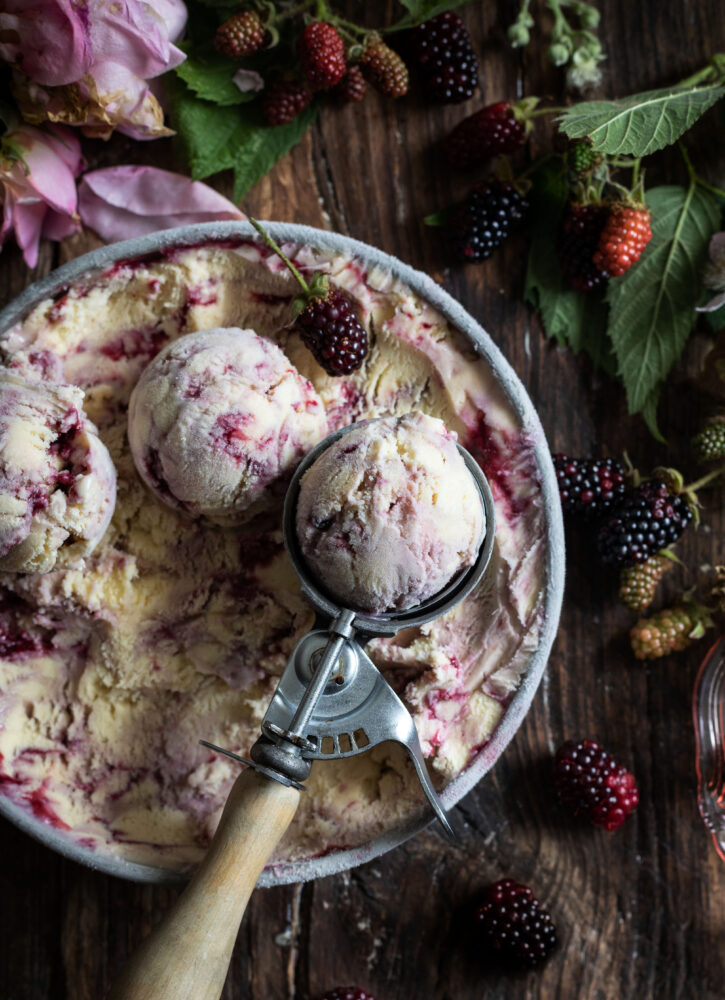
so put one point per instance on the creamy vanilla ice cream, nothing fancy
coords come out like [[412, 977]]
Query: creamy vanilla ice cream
[[57, 480], [389, 514], [218, 421], [177, 629]]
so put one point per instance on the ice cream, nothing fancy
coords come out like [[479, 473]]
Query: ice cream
[[389, 514], [218, 421], [57, 480], [176, 629]]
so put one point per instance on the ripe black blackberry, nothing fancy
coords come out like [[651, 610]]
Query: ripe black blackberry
[[577, 243], [515, 925], [589, 486], [485, 219], [442, 50], [589, 781], [284, 100], [647, 520], [331, 330]]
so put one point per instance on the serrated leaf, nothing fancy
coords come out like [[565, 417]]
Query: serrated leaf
[[232, 138], [209, 75], [572, 318], [423, 10], [640, 124], [652, 307]]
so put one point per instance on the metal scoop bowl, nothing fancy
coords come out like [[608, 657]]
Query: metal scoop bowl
[[331, 702]]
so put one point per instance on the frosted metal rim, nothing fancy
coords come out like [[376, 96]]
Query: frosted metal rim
[[93, 264]]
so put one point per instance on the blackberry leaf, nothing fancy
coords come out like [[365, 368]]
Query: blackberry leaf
[[423, 10]]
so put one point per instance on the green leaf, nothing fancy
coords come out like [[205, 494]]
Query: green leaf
[[572, 318], [209, 75], [716, 319], [231, 138], [640, 124], [652, 307], [423, 10]]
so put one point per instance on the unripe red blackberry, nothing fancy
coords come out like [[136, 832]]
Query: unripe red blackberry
[[489, 132], [577, 241], [591, 783], [284, 100], [352, 87], [385, 70], [322, 55], [240, 35]]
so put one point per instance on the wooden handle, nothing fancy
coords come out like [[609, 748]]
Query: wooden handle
[[187, 956]]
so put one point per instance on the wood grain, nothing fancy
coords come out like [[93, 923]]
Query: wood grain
[[640, 913]]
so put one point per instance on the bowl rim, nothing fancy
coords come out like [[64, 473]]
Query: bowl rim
[[94, 264]]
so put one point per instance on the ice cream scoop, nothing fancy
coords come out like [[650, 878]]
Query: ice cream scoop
[[217, 421], [57, 480], [389, 513]]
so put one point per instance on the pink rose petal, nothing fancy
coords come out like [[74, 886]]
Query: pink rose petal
[[47, 39], [122, 202]]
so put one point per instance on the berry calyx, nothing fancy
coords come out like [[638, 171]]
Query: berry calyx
[[352, 87], [493, 130], [489, 213], [638, 584], [284, 100], [578, 239], [347, 993], [442, 51], [592, 784], [384, 69], [322, 55], [515, 925], [670, 630], [649, 519], [326, 318], [589, 486], [240, 35], [625, 235], [708, 445]]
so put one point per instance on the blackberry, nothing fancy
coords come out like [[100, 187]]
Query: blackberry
[[240, 35], [284, 100], [582, 157], [489, 132], [322, 55], [441, 49], [331, 330], [352, 87], [708, 444], [515, 925], [485, 219], [589, 781], [647, 520], [347, 993], [669, 631], [577, 242], [589, 486], [385, 70], [625, 234], [638, 584]]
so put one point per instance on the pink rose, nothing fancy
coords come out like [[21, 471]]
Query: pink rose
[[86, 62], [38, 168]]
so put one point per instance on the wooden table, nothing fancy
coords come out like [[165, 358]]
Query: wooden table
[[640, 913]]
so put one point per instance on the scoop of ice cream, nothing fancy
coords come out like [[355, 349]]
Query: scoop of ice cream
[[57, 480], [218, 419], [389, 513]]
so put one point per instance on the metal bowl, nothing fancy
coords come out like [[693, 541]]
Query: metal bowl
[[299, 871]]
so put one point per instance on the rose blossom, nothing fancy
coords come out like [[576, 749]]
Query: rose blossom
[[86, 62], [38, 168]]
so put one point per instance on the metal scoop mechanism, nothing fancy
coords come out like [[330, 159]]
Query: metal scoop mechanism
[[332, 701]]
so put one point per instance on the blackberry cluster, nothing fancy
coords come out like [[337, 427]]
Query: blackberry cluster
[[284, 100], [485, 219], [489, 132], [589, 486], [590, 782], [330, 328], [647, 520], [515, 925], [441, 49], [577, 243]]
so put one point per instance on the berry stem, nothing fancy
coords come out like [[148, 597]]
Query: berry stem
[[293, 11], [704, 481], [718, 192], [688, 163], [545, 111], [271, 243]]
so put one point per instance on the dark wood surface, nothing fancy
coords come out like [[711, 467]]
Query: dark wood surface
[[640, 913]]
